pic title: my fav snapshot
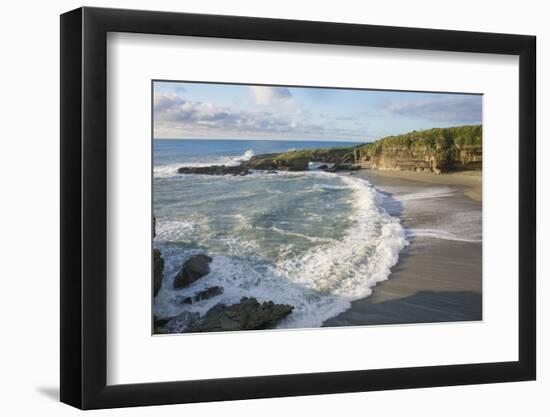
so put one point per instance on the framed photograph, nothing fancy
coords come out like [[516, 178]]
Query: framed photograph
[[258, 208]]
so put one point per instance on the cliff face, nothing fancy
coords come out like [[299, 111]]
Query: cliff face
[[434, 150], [424, 159]]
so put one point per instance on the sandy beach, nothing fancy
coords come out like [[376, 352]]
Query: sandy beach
[[438, 277], [470, 180]]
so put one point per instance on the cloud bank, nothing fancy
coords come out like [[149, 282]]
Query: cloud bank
[[175, 116], [203, 110], [460, 108]]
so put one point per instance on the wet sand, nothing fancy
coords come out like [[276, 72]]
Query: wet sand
[[471, 180], [438, 276]]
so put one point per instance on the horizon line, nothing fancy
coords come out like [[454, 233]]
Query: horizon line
[[270, 139]]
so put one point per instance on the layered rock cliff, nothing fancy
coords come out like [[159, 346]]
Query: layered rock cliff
[[435, 150]]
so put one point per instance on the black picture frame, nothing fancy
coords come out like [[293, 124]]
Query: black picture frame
[[84, 207]]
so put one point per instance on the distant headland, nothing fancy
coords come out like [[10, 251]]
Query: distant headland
[[437, 150]]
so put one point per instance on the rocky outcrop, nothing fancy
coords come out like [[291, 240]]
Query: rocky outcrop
[[159, 322], [158, 263], [215, 170], [248, 314], [433, 150], [299, 160], [280, 162], [179, 323], [193, 268], [403, 158], [343, 167], [158, 269], [420, 160], [205, 294], [294, 164]]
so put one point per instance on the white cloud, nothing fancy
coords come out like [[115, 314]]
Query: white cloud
[[175, 116], [270, 95]]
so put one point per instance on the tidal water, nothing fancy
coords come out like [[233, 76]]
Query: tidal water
[[311, 239]]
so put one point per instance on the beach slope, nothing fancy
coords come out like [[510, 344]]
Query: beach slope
[[438, 277]]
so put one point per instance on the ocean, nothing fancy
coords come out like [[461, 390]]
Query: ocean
[[311, 239]]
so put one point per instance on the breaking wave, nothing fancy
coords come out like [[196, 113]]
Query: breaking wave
[[171, 170], [319, 274]]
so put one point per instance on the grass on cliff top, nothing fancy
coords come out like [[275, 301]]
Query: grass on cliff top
[[312, 154], [469, 136], [459, 136]]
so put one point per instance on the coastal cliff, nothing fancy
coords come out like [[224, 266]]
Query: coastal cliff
[[435, 150]]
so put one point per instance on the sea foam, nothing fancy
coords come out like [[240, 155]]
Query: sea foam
[[171, 170], [319, 282]]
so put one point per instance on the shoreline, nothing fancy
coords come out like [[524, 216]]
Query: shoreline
[[436, 279], [471, 180]]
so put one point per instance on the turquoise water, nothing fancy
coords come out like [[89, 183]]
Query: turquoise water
[[311, 239]]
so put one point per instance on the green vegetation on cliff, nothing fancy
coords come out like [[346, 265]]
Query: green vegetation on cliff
[[446, 138], [433, 150], [320, 154]]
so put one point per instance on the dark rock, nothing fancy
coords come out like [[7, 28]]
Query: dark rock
[[154, 226], [203, 295], [262, 162], [248, 314], [181, 322], [216, 170], [158, 268], [323, 167], [159, 322], [193, 268], [159, 330], [342, 167], [270, 162], [294, 164]]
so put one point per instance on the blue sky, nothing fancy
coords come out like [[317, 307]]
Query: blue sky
[[185, 110]]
